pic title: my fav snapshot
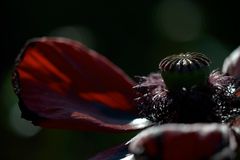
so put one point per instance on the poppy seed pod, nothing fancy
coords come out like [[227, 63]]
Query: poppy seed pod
[[185, 70]]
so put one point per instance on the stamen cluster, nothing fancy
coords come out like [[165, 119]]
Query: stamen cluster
[[215, 101]]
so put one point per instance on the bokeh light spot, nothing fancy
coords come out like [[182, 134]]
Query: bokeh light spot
[[179, 20], [21, 126]]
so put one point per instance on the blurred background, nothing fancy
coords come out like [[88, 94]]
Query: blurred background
[[134, 34]]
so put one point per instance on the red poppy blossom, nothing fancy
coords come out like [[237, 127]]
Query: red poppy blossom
[[63, 84]]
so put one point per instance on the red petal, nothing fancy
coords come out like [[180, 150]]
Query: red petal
[[232, 62], [115, 153], [63, 84], [185, 141]]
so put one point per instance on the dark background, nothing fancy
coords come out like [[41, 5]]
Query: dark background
[[133, 34]]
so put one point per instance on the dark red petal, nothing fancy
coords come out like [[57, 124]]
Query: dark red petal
[[115, 153], [231, 63], [185, 142], [63, 84]]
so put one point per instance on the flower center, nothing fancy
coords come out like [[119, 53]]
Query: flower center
[[185, 70], [186, 92]]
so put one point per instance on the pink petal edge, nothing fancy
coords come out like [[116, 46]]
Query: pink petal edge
[[231, 64]]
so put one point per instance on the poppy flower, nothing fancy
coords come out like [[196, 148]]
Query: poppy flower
[[62, 84]]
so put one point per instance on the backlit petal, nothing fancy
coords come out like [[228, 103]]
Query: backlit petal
[[231, 64], [116, 153], [185, 141], [63, 84]]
